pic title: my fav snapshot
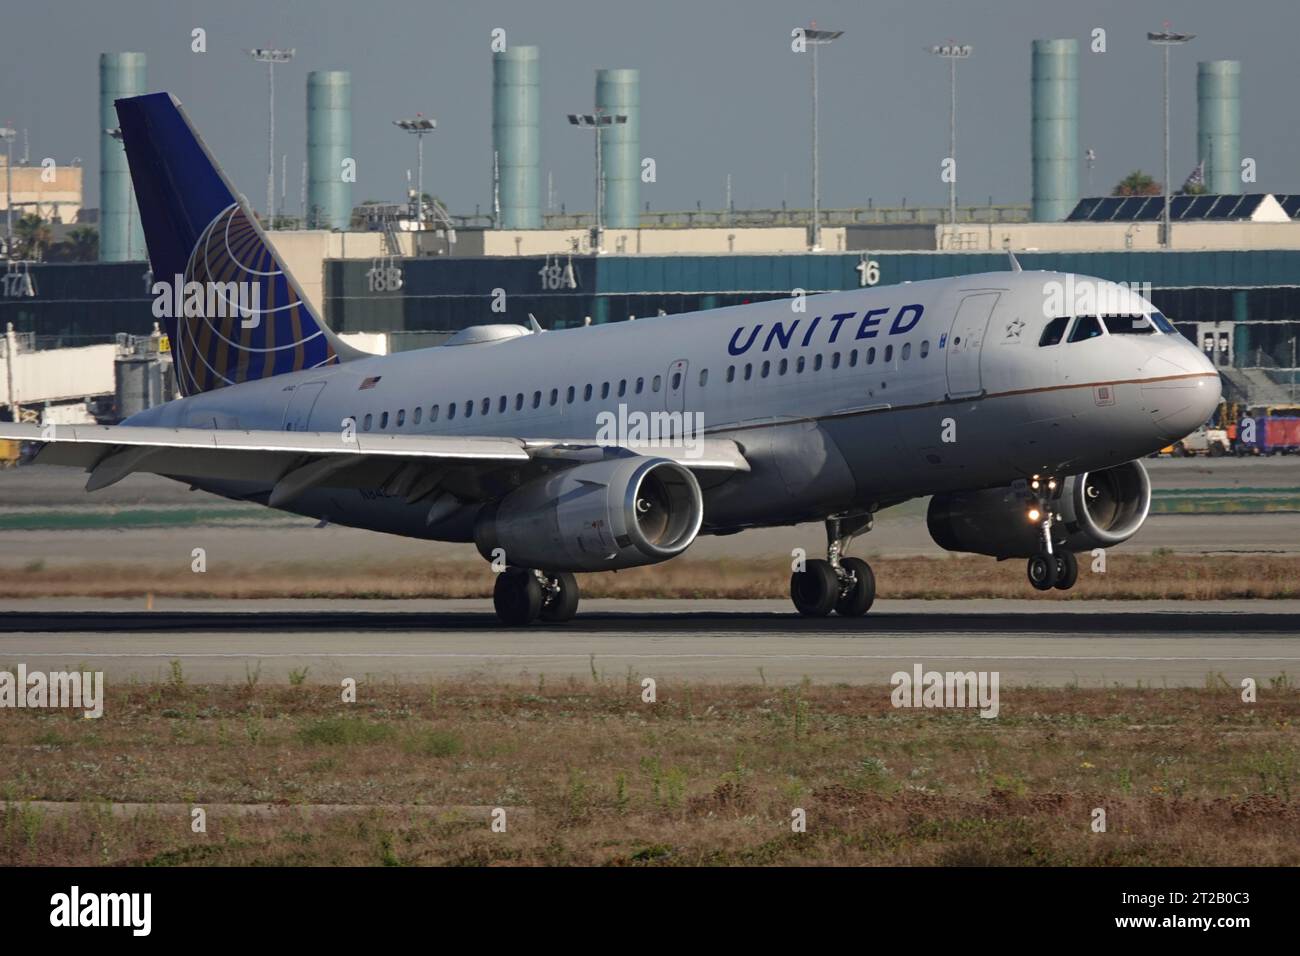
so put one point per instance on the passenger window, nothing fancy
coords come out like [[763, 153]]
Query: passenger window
[[622, 387], [419, 413], [487, 406], [451, 411], [782, 366], [519, 401], [1054, 331], [604, 390], [853, 358], [731, 374], [749, 371], [655, 383], [537, 399], [871, 356], [433, 413], [925, 348], [704, 377], [555, 395], [469, 408], [767, 367], [383, 420], [640, 385], [677, 380], [586, 393], [367, 423], [1086, 327], [501, 404], [889, 353], [568, 395], [401, 417], [906, 351], [800, 364]]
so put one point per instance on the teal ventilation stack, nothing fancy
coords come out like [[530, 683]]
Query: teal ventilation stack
[[1218, 124], [121, 236], [516, 136], [1055, 129], [619, 92], [329, 145]]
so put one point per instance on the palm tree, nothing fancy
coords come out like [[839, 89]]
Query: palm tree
[[30, 235], [1137, 183]]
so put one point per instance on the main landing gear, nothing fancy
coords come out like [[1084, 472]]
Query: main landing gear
[[846, 586], [522, 595], [1050, 568]]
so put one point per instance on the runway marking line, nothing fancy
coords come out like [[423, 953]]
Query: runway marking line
[[435, 655]]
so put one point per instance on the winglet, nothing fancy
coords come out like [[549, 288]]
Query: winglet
[[1015, 263]]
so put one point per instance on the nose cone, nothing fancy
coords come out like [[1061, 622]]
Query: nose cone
[[1181, 388]]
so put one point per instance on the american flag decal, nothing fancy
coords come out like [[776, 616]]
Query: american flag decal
[[370, 382]]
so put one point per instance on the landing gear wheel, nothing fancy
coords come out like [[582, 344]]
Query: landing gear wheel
[[561, 601], [1067, 570], [517, 596], [859, 591], [815, 589], [1042, 571]]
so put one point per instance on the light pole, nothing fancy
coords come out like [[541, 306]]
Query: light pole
[[597, 122], [8, 134], [1167, 39], [271, 57], [952, 52], [418, 126], [116, 133], [815, 38]]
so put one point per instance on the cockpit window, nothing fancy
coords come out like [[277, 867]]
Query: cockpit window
[[1086, 327], [1163, 324], [1128, 325], [1054, 331]]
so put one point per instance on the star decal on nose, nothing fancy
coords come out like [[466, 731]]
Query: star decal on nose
[[1013, 328]]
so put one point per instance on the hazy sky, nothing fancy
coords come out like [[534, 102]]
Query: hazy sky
[[721, 92]]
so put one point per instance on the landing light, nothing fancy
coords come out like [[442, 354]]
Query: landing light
[[1034, 514]]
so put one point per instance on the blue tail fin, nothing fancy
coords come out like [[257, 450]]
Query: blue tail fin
[[199, 229]]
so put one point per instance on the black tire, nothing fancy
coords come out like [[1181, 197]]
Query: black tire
[[564, 604], [1216, 450], [1042, 572], [815, 589], [517, 596], [1067, 570], [857, 599]]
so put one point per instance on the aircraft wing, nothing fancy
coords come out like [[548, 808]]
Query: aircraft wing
[[291, 462]]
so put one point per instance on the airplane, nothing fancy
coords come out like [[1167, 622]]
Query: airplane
[[1021, 412]]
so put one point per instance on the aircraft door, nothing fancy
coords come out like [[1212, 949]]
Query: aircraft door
[[964, 342], [297, 414], [675, 387]]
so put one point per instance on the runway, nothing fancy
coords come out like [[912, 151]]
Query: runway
[[1093, 644]]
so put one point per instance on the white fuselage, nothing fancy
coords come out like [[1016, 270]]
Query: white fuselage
[[841, 402]]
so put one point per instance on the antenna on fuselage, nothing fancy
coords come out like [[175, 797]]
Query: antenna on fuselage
[[533, 323], [1015, 263]]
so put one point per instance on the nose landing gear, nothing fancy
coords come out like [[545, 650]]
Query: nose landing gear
[[1050, 568], [846, 586]]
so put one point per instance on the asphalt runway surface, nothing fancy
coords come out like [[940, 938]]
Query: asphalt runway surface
[[1088, 644]]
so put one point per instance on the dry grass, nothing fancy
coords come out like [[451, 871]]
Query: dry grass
[[1128, 577], [708, 775]]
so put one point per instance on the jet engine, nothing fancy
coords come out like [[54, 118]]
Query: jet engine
[[600, 516], [1097, 509]]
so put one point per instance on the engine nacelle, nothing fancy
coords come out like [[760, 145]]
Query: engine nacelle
[[600, 516], [1098, 509]]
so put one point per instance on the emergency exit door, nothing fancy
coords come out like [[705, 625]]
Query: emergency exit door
[[965, 339]]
